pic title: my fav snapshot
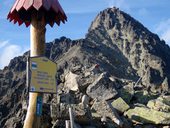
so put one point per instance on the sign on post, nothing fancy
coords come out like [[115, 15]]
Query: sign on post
[[42, 75]]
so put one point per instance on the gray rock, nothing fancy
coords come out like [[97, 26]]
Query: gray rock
[[71, 81], [159, 104], [13, 123], [165, 85], [166, 126], [166, 99], [127, 123], [102, 88], [102, 108], [145, 116], [143, 97], [61, 111], [127, 92], [120, 105]]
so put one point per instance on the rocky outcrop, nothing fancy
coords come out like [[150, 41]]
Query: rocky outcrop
[[110, 77]]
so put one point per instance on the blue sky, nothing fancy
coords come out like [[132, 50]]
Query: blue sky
[[14, 40]]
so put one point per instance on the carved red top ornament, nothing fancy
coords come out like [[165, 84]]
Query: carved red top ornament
[[23, 10]]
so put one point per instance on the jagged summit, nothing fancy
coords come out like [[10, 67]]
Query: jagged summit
[[113, 17], [117, 52], [143, 49]]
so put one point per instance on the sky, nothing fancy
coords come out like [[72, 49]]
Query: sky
[[15, 40]]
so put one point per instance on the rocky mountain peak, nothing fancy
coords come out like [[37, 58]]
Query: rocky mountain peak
[[143, 49], [113, 18]]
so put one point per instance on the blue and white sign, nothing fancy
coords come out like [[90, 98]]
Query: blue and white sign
[[39, 106]]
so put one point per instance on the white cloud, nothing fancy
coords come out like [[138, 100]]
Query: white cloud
[[8, 52], [163, 29], [3, 44], [122, 4]]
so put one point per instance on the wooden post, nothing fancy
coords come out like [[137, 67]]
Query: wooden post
[[37, 33]]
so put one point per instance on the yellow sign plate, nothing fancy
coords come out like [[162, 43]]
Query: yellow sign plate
[[43, 75]]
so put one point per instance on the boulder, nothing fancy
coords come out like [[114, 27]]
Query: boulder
[[166, 99], [145, 115], [127, 92], [165, 85], [143, 97], [13, 122], [102, 108], [120, 105], [68, 97], [127, 123], [71, 81], [110, 125], [159, 105], [85, 81], [60, 111], [166, 126], [102, 88]]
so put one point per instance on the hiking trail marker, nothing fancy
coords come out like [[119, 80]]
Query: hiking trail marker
[[42, 75]]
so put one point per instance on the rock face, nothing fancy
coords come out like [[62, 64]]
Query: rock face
[[117, 52]]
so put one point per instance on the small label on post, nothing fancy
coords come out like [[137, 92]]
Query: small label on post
[[39, 106]]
